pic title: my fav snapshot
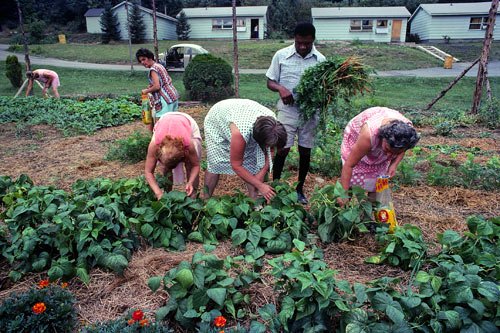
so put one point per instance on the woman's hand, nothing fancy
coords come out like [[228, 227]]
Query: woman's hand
[[392, 170], [267, 191], [159, 194], [189, 189]]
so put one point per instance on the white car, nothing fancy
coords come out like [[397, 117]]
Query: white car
[[179, 55]]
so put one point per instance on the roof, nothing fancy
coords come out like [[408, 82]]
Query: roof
[[348, 12], [147, 10], [469, 8], [94, 12], [225, 11]]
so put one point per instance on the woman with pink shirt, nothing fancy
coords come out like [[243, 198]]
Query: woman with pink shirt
[[45, 76], [374, 143], [176, 142]]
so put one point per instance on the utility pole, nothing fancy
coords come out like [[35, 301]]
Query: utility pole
[[235, 53], [483, 60], [25, 41], [129, 38], [155, 36]]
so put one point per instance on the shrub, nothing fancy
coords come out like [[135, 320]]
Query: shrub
[[489, 115], [13, 71], [130, 150], [208, 78], [49, 309], [36, 30], [413, 38]]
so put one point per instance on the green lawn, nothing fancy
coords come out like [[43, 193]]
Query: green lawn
[[252, 54], [396, 92]]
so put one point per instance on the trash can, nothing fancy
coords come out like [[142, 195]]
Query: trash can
[[448, 62], [62, 39]]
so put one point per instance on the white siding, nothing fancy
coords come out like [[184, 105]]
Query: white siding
[[93, 25], [166, 29], [420, 25], [201, 28], [339, 29], [433, 28]]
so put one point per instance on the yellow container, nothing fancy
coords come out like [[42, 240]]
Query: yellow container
[[62, 39], [448, 62], [146, 110], [385, 212]]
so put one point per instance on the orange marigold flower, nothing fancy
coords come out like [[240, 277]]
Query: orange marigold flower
[[144, 322], [131, 322], [39, 308], [64, 285], [219, 321], [137, 315], [221, 331], [43, 284]]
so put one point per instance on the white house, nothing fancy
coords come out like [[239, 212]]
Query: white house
[[165, 25], [456, 21], [92, 18], [217, 22], [377, 24]]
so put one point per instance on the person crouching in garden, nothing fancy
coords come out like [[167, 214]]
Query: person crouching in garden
[[374, 143], [45, 76], [239, 135], [176, 143], [164, 96]]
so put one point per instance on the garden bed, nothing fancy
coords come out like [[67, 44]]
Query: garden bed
[[50, 158]]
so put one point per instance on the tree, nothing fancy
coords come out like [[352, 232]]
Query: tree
[[170, 7], [183, 28], [137, 27], [109, 25]]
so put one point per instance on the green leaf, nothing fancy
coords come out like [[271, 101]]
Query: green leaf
[[287, 310], [422, 277], [436, 283], [396, 315], [195, 236], [191, 313], [299, 245], [161, 313], [154, 283], [239, 236], [55, 273], [146, 230], [341, 305], [374, 259], [390, 247], [354, 328], [254, 233], [83, 275], [257, 327], [489, 290], [218, 295]]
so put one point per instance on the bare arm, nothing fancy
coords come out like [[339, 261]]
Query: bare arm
[[360, 149], [285, 94], [394, 164], [155, 86], [30, 86], [236, 152], [195, 168], [149, 169]]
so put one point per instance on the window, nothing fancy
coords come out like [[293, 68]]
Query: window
[[381, 23], [226, 23], [381, 27], [478, 23], [361, 25]]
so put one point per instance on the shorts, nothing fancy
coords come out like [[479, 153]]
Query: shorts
[[289, 116], [167, 107]]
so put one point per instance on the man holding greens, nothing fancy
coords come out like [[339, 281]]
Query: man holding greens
[[283, 76]]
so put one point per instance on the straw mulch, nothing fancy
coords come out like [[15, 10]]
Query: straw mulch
[[50, 159]]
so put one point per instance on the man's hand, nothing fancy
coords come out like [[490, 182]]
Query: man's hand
[[159, 195]]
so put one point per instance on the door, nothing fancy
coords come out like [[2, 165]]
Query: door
[[396, 31], [254, 28]]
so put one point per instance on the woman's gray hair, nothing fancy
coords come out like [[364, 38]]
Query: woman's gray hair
[[399, 135], [268, 132]]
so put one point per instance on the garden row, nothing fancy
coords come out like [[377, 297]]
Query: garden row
[[100, 224]]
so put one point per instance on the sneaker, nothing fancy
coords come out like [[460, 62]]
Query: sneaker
[[301, 198]]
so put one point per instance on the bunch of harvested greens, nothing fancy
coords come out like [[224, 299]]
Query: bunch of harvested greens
[[322, 85]]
